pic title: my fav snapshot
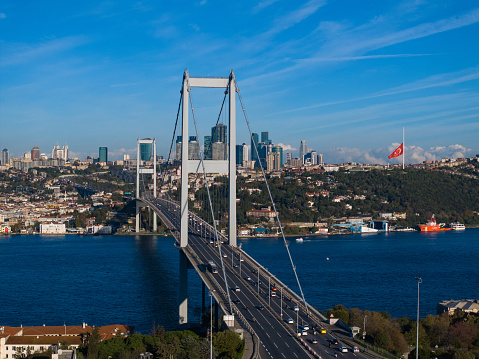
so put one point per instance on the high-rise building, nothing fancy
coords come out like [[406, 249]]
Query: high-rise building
[[4, 157], [60, 153], [241, 154], [303, 150], [35, 153], [219, 150], [278, 149], [254, 147], [193, 149], [320, 159], [103, 154], [265, 138], [218, 133], [245, 152], [288, 157], [314, 157], [178, 147], [145, 150], [273, 161], [207, 148]]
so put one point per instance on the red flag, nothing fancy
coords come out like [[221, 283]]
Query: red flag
[[397, 152]]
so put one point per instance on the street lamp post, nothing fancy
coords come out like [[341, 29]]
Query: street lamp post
[[364, 328], [419, 281], [258, 280], [269, 291], [211, 326], [281, 302]]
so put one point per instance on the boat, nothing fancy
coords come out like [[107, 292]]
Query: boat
[[432, 226], [299, 239], [366, 229], [457, 226]]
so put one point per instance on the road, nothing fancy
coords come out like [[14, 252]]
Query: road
[[273, 317]]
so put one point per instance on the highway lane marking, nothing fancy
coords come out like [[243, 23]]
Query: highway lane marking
[[295, 355], [275, 345], [283, 355]]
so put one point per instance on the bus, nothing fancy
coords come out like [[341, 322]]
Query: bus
[[212, 267]]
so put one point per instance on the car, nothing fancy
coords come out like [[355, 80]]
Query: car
[[314, 341], [290, 321], [247, 277], [274, 289], [273, 294], [304, 332], [237, 289], [225, 255], [343, 349], [305, 327], [323, 331], [255, 271], [261, 307], [235, 265], [296, 308], [334, 341], [236, 301], [355, 349], [241, 259]]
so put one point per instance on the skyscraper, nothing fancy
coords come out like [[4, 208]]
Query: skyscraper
[[178, 147], [193, 149], [4, 158], [218, 133], [145, 150], [265, 138], [103, 154], [278, 149], [303, 150], [207, 148], [254, 147], [35, 153]]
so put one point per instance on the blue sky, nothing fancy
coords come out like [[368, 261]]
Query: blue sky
[[344, 76]]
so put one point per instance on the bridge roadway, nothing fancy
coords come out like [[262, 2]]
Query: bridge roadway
[[260, 313]]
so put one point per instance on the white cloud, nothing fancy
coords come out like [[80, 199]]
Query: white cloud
[[287, 147]]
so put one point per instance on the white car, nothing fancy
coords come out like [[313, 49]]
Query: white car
[[296, 308], [237, 289], [343, 349], [304, 332], [290, 321], [225, 255], [305, 327]]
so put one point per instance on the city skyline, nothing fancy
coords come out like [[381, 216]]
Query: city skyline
[[345, 79]]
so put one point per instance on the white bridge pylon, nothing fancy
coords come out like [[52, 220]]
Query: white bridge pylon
[[209, 166]]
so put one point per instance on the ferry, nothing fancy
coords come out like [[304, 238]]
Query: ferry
[[432, 226], [457, 226], [299, 239]]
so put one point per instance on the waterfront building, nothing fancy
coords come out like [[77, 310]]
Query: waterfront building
[[103, 154], [452, 306], [52, 228], [193, 148], [4, 157], [35, 153], [146, 149], [17, 342]]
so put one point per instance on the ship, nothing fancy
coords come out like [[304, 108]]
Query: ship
[[457, 226], [432, 226]]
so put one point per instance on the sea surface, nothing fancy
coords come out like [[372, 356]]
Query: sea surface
[[133, 280]]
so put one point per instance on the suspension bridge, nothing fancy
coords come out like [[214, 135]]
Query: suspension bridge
[[278, 321]]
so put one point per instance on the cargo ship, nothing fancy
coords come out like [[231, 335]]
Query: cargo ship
[[432, 226]]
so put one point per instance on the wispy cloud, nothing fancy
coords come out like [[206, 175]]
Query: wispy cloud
[[2, 15], [295, 17], [262, 5], [21, 53], [356, 58]]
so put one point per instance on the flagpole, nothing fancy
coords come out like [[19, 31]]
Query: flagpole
[[403, 148]]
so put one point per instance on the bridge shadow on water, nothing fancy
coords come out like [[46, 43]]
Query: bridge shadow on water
[[158, 263]]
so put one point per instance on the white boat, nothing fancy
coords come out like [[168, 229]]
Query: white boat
[[299, 239], [457, 226], [366, 229]]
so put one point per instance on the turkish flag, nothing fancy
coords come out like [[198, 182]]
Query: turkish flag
[[397, 152]]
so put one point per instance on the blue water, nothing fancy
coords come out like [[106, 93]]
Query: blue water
[[133, 279]]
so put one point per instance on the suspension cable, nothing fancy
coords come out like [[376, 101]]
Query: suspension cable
[[211, 207], [271, 199]]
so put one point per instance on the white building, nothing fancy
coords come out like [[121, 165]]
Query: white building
[[99, 229], [52, 228]]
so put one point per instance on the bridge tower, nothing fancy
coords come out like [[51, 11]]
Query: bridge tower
[[210, 166], [145, 148]]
